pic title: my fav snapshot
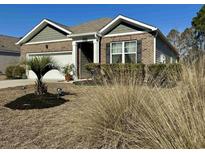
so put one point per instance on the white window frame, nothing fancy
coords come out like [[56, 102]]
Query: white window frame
[[123, 51], [171, 60], [163, 59]]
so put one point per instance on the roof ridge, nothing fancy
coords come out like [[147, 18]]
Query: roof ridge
[[3, 35], [57, 23], [89, 21]]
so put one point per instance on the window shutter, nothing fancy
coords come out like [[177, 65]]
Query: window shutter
[[108, 53], [139, 51]]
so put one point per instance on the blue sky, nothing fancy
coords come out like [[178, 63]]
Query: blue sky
[[17, 20]]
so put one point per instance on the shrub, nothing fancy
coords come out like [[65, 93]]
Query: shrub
[[117, 72], [163, 74], [18, 72], [15, 72], [91, 67], [9, 72]]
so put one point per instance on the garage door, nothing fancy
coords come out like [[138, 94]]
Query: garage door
[[61, 58]]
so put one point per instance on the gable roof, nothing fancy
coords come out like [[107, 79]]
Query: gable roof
[[91, 26], [121, 18], [7, 44], [100, 26], [41, 25], [60, 25]]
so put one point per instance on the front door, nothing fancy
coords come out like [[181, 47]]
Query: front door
[[85, 56]]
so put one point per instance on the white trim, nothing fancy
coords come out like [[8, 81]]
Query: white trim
[[51, 41], [96, 51], [82, 34], [88, 40], [110, 53], [171, 60], [44, 53], [39, 26], [155, 50], [74, 59], [120, 17], [122, 34], [123, 51], [53, 24]]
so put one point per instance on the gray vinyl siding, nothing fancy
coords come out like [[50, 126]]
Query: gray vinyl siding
[[47, 34], [163, 48], [7, 59], [123, 28]]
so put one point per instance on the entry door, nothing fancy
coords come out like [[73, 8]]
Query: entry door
[[85, 56]]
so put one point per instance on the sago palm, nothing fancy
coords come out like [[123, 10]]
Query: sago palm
[[40, 66]]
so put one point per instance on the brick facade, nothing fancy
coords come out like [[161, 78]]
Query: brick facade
[[45, 47], [147, 46]]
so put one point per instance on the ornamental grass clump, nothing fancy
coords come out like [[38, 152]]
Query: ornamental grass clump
[[137, 116]]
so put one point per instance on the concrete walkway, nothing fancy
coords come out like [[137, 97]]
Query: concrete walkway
[[24, 82], [15, 83]]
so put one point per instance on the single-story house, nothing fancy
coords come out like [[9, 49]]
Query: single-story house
[[9, 52], [105, 40]]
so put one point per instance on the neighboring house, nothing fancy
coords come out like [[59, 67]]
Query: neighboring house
[[9, 52], [118, 40]]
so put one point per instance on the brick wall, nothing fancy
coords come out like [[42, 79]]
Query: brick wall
[[46, 47], [147, 46]]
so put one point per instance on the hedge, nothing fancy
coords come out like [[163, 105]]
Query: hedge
[[117, 72], [156, 74], [15, 72], [163, 74]]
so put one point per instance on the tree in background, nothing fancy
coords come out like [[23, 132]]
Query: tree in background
[[191, 41], [174, 37], [183, 42], [198, 23], [187, 42]]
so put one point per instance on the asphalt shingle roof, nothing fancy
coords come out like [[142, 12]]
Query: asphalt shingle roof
[[87, 27], [91, 26], [7, 43]]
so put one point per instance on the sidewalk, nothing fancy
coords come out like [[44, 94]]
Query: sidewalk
[[15, 83]]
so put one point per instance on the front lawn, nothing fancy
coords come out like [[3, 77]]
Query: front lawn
[[30, 122], [116, 115]]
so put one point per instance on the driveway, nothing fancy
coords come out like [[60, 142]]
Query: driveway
[[24, 82], [15, 83]]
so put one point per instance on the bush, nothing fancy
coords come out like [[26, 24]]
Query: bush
[[163, 74], [9, 72], [117, 72], [15, 72], [18, 72]]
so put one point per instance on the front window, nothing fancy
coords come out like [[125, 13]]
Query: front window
[[116, 52], [130, 52], [124, 52]]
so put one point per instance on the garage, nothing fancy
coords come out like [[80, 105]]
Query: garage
[[61, 58]]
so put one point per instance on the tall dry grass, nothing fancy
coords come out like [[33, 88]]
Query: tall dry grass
[[137, 116]]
